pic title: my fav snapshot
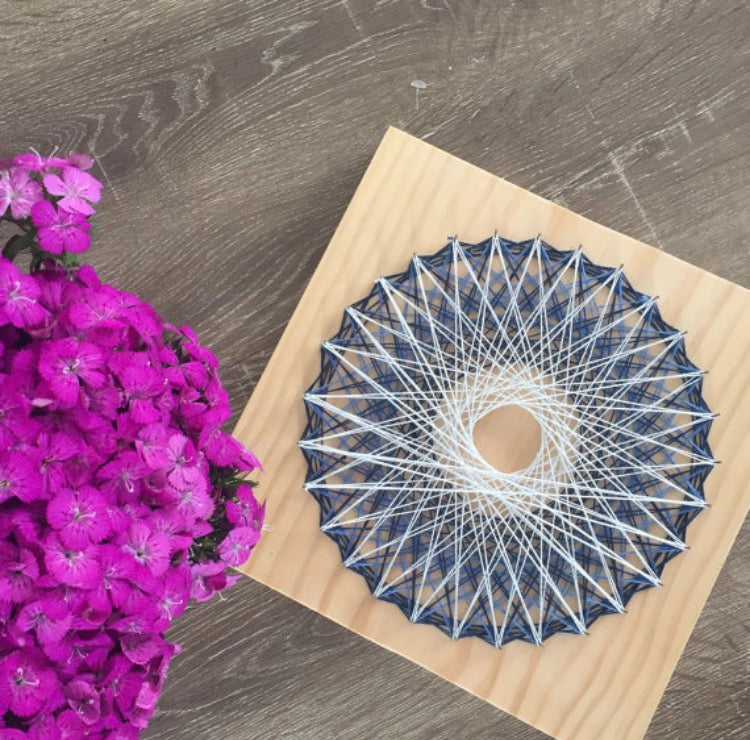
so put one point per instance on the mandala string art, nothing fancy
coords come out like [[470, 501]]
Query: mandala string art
[[541, 340]]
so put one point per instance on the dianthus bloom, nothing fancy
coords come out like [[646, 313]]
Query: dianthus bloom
[[77, 188], [121, 497], [60, 230], [18, 192]]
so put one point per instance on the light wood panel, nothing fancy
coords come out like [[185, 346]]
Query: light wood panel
[[608, 683]]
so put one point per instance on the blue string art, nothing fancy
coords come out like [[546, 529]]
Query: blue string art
[[430, 523]]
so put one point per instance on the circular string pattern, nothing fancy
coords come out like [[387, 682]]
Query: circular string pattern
[[433, 525]]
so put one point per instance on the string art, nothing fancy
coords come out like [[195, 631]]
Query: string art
[[431, 523]]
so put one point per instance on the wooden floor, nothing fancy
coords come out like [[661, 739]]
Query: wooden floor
[[231, 136]]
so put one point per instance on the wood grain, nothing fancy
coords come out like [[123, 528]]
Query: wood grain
[[609, 683], [232, 135]]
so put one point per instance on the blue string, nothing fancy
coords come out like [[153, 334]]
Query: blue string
[[337, 378]]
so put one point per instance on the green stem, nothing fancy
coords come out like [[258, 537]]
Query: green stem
[[16, 244]]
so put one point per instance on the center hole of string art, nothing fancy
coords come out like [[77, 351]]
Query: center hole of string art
[[506, 441], [508, 438]]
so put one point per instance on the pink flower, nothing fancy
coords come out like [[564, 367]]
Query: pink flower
[[18, 572], [29, 523], [138, 613], [77, 188], [140, 649], [117, 571], [72, 567], [235, 548], [101, 308], [182, 469], [55, 450], [152, 446], [217, 400], [28, 680], [195, 349], [70, 726], [179, 530], [44, 726], [83, 699], [191, 500], [15, 424], [92, 648], [10, 733], [206, 579], [49, 618], [125, 680], [194, 374], [18, 477], [79, 516], [82, 161], [94, 431], [175, 595], [219, 447], [18, 192], [104, 401], [93, 611], [146, 700], [122, 475], [247, 461], [19, 296], [59, 230], [246, 512], [37, 163], [66, 363], [148, 548], [142, 384]]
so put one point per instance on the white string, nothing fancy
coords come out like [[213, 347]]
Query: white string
[[482, 360]]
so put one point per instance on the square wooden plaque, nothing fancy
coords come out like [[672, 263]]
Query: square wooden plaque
[[608, 683]]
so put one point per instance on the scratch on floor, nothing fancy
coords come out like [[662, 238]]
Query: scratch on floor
[[620, 172], [353, 18], [706, 110], [719, 98], [440, 126], [450, 10], [276, 60], [109, 182], [585, 103], [683, 127]]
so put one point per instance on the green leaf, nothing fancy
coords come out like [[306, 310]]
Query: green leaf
[[16, 244], [69, 260]]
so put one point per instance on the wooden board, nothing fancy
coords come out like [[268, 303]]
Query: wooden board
[[608, 683]]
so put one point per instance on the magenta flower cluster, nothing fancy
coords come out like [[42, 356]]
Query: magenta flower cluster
[[56, 194], [121, 498]]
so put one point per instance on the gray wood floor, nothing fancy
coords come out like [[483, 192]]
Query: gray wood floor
[[231, 136]]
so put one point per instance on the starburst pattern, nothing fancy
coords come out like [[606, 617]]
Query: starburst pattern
[[427, 520]]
